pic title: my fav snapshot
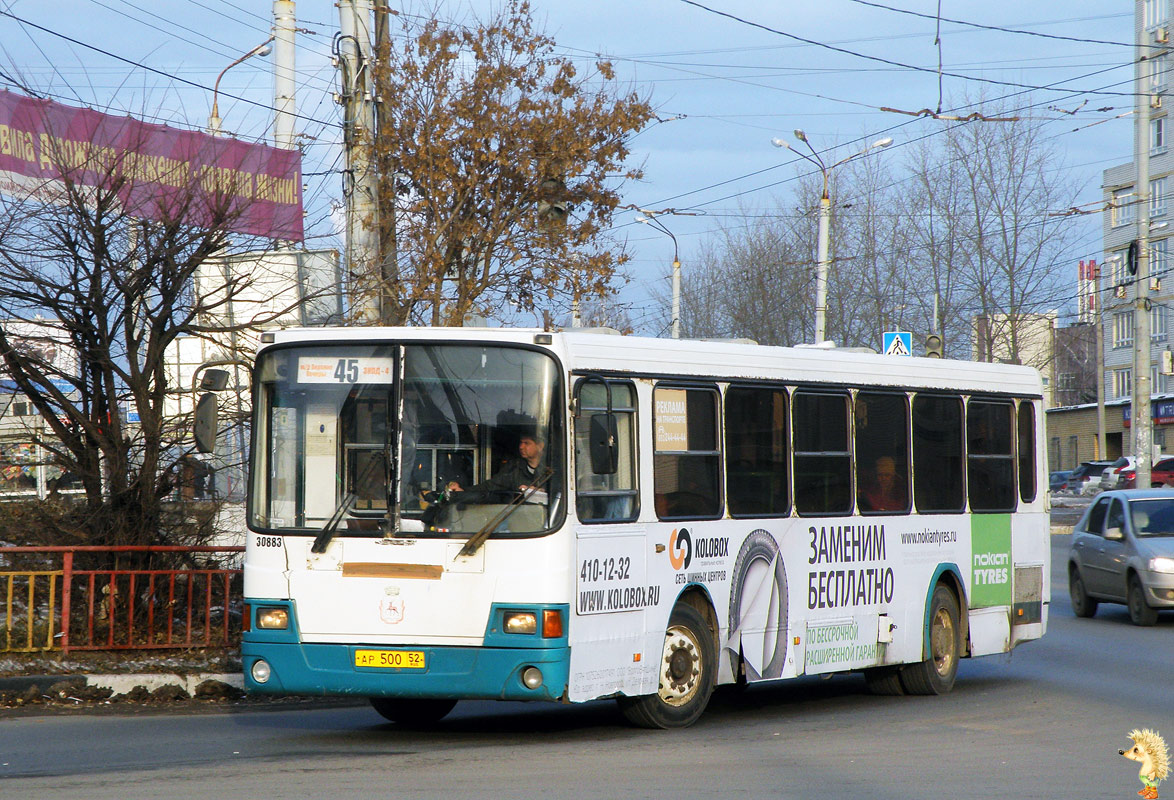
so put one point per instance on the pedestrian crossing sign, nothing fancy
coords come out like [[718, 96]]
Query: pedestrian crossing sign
[[898, 343]]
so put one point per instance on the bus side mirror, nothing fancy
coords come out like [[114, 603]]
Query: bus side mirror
[[605, 455], [205, 423]]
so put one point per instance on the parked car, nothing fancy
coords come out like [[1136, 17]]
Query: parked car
[[1161, 474], [1058, 480], [1122, 551], [1087, 477], [1111, 476]]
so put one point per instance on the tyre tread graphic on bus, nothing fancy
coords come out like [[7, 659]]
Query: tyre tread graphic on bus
[[758, 622]]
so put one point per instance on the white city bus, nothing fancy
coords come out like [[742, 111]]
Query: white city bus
[[696, 513]]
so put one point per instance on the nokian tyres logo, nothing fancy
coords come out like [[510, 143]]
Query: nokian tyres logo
[[680, 548]]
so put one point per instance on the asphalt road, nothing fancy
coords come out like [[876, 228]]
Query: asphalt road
[[1045, 721]]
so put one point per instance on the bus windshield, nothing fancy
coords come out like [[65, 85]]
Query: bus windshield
[[474, 430]]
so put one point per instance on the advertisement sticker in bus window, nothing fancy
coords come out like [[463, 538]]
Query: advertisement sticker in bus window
[[672, 420]]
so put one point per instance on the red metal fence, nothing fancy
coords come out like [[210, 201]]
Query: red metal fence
[[69, 598]]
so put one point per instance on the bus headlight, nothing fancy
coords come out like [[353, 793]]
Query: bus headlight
[[520, 622], [273, 619], [260, 670]]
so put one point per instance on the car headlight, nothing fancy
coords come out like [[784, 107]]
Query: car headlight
[[1162, 564]]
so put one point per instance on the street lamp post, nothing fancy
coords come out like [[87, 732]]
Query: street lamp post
[[649, 218], [262, 49], [825, 216]]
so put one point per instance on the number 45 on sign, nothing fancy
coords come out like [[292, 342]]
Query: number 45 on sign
[[898, 343]]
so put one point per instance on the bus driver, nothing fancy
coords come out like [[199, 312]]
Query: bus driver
[[527, 471]]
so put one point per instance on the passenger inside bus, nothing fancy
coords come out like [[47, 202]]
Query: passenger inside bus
[[886, 491]]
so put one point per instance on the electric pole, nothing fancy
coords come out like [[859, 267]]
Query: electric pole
[[388, 181], [1142, 420], [284, 85], [355, 65]]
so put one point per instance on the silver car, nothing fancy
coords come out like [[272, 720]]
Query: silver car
[[1123, 552]]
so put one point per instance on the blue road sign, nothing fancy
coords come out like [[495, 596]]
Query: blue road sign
[[898, 343]]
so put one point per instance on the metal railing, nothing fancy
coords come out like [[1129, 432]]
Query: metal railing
[[57, 601]]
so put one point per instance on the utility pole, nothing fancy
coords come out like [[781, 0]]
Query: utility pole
[[284, 86], [388, 180], [1099, 321], [1142, 419], [354, 60]]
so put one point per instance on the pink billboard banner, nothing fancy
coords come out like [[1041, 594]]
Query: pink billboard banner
[[158, 173]]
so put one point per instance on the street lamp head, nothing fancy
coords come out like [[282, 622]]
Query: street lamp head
[[640, 218], [263, 50], [800, 135], [781, 143], [885, 142]]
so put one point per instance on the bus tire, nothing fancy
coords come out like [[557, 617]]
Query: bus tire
[[1082, 604], [884, 681], [412, 711], [936, 674], [687, 667]]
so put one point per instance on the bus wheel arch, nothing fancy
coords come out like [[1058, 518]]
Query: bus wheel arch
[[686, 668], [950, 578]]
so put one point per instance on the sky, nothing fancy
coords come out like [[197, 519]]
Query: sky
[[725, 78]]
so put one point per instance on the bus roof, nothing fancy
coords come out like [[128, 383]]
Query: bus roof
[[592, 350]]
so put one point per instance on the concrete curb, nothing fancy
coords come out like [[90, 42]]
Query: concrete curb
[[121, 684]]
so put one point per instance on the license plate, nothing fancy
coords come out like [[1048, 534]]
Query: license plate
[[390, 659]]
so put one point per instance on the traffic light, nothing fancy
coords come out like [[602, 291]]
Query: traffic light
[[933, 345]]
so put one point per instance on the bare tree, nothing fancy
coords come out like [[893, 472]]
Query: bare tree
[[965, 221], [750, 281], [507, 167], [115, 292]]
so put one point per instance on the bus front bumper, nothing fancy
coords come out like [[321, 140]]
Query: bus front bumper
[[457, 672], [505, 667]]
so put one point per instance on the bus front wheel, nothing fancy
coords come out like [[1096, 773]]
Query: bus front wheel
[[412, 711], [686, 668], [936, 674]]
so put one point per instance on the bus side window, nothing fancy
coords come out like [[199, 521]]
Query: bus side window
[[1026, 451], [757, 435], [937, 454], [687, 460], [882, 453], [823, 461], [609, 497], [990, 461]]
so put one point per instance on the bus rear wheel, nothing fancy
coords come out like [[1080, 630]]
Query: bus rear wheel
[[686, 667], [936, 674], [412, 711]]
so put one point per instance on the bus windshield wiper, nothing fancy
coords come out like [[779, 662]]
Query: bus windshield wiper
[[478, 538], [331, 527]]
